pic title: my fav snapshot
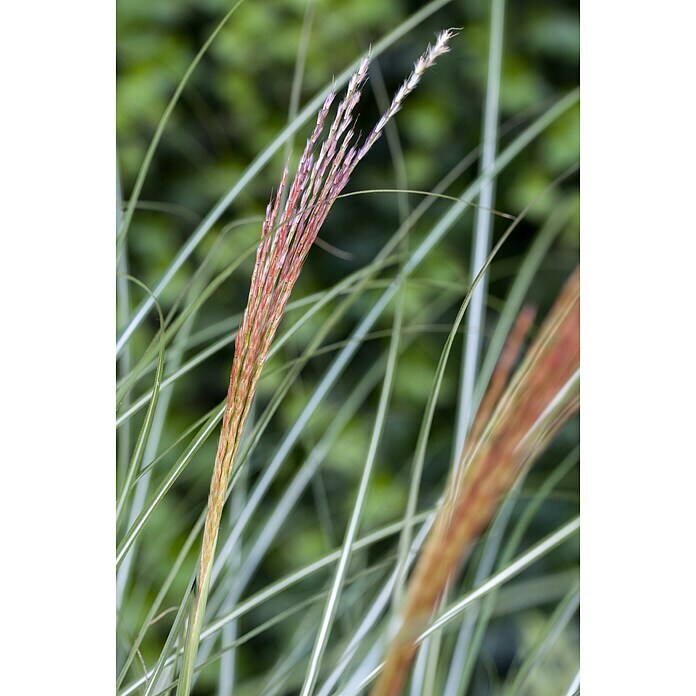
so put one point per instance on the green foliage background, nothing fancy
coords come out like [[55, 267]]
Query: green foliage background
[[235, 104]]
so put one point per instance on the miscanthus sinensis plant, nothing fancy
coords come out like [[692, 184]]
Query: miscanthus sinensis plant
[[322, 174], [406, 607], [510, 430]]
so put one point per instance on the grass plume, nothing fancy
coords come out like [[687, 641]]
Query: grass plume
[[512, 426], [323, 171]]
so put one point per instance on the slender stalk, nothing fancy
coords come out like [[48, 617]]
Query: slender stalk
[[122, 316], [352, 530], [482, 226]]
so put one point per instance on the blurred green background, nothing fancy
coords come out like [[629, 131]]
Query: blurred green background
[[236, 103]]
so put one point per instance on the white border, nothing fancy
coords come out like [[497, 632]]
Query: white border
[[57, 126], [638, 608]]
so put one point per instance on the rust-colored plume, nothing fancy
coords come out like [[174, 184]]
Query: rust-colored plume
[[508, 432]]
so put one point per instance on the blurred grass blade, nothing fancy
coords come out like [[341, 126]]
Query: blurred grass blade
[[555, 625], [482, 227], [574, 688], [145, 166], [520, 285], [520, 564], [140, 443], [481, 244], [168, 482]]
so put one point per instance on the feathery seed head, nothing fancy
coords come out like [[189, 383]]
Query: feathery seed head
[[513, 425], [286, 238]]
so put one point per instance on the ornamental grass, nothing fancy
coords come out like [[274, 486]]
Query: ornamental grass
[[512, 427], [322, 173]]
